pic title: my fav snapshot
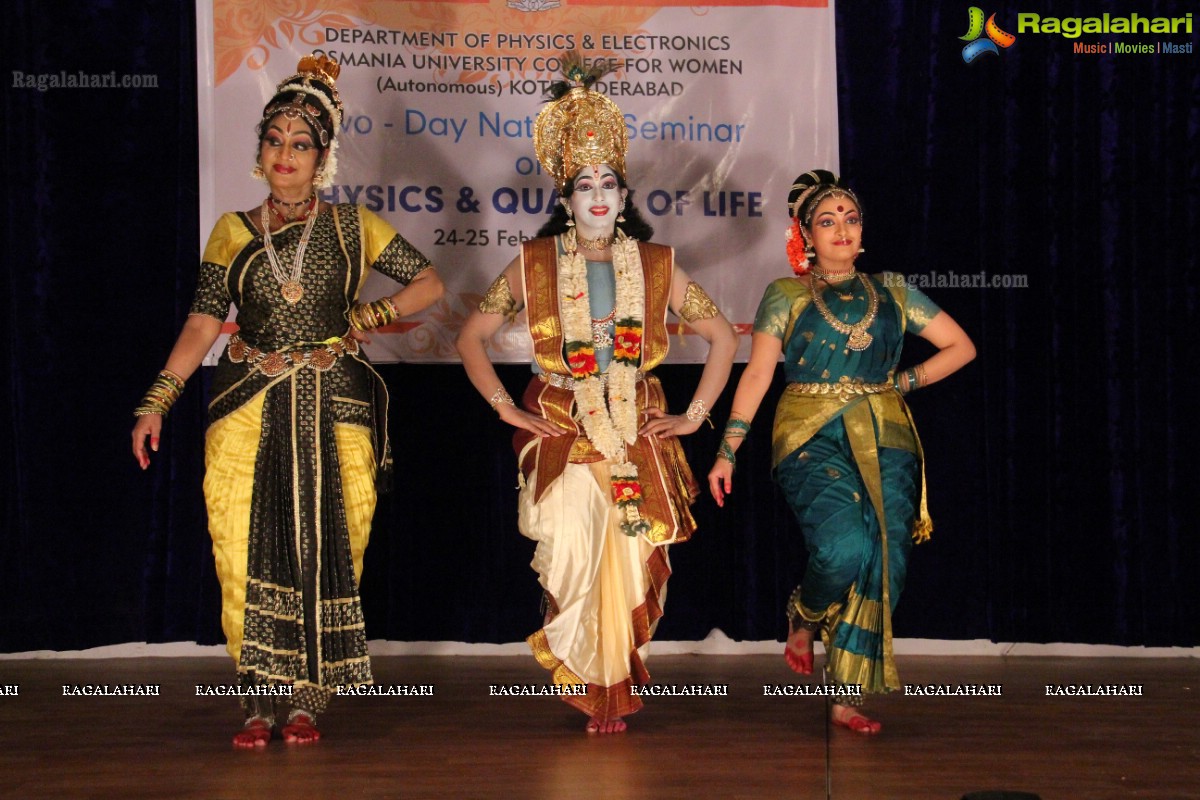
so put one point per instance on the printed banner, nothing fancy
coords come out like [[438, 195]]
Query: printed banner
[[724, 104]]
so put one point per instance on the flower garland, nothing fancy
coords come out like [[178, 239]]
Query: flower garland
[[797, 249], [607, 409]]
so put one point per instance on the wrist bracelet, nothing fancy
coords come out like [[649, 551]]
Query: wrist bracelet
[[368, 316], [697, 410], [161, 395], [726, 452], [737, 427], [500, 397]]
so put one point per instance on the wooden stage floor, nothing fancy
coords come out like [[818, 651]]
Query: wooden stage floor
[[464, 743]]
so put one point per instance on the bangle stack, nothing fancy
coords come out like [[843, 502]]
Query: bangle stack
[[734, 429], [161, 395], [500, 397], [368, 316], [911, 379]]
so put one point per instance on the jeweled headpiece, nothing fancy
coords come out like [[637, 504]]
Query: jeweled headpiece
[[311, 95], [579, 126], [810, 189]]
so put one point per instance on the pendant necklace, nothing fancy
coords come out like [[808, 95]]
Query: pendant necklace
[[289, 282], [859, 338]]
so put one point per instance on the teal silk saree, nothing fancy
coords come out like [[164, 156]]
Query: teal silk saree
[[847, 457]]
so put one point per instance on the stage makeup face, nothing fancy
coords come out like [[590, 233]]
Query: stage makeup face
[[289, 157], [596, 201], [836, 231]]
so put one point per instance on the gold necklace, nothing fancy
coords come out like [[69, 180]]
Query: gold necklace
[[599, 243], [841, 276], [859, 338], [844, 295], [829, 277]]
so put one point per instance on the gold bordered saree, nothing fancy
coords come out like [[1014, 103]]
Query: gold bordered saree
[[301, 618], [848, 459], [605, 590]]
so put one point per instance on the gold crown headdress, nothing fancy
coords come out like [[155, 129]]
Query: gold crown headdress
[[579, 127], [322, 67]]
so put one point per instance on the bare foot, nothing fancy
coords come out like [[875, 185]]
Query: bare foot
[[597, 725], [255, 733], [799, 651], [301, 729], [855, 720]]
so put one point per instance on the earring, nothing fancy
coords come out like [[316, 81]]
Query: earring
[[810, 253], [570, 218], [257, 173], [318, 177], [621, 215], [862, 250]]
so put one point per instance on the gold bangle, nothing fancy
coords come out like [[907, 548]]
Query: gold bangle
[[162, 394], [393, 312], [368, 316]]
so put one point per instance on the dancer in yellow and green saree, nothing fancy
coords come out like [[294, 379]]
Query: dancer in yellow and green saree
[[845, 449]]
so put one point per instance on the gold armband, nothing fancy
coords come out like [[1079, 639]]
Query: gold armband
[[499, 299], [697, 304]]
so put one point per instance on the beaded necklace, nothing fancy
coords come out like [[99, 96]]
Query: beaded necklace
[[289, 282]]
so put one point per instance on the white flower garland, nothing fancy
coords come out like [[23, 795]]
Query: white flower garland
[[609, 417], [609, 421]]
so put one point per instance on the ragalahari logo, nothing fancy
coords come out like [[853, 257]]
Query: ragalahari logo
[[976, 27]]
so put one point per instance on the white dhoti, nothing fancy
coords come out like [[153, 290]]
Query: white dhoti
[[605, 589]]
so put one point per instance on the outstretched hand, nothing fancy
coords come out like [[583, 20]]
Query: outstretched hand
[[720, 480], [146, 425]]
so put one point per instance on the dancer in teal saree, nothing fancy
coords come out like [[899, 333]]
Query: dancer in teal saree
[[845, 449]]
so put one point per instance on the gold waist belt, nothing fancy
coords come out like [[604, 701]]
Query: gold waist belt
[[272, 363], [567, 382], [845, 388]]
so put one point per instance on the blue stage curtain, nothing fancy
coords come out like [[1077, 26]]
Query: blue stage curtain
[[1057, 462]]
